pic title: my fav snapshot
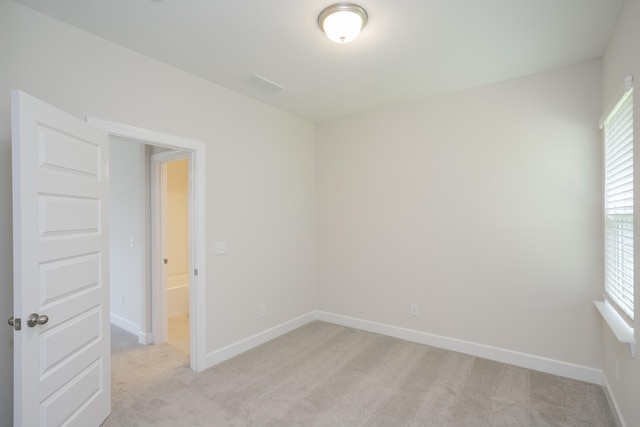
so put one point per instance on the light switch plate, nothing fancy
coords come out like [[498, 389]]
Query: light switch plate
[[220, 248]]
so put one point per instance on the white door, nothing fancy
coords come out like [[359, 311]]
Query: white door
[[62, 365]]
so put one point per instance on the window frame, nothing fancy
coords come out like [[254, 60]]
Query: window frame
[[618, 205]]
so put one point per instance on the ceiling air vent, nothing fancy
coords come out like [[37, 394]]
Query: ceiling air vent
[[266, 85]]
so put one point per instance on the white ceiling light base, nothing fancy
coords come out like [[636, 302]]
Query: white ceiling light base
[[342, 22]]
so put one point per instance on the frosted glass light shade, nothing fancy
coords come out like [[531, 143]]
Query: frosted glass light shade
[[342, 22]]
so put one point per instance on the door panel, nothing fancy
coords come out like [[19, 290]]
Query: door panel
[[66, 216], [68, 154], [60, 201], [82, 390], [71, 275]]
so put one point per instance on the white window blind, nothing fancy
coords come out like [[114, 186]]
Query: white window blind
[[618, 204]]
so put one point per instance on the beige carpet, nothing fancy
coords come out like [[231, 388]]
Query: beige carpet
[[179, 332], [328, 375]]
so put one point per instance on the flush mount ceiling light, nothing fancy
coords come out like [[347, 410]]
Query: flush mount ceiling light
[[342, 22]]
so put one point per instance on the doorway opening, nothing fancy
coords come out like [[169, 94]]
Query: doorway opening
[[148, 325], [170, 239]]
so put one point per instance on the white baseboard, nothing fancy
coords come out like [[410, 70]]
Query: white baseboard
[[613, 404], [234, 349], [125, 324], [523, 360], [145, 338]]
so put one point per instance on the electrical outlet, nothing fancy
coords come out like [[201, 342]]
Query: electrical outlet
[[220, 248], [414, 310], [262, 311]]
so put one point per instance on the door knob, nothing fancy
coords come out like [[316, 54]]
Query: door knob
[[35, 319], [15, 323]]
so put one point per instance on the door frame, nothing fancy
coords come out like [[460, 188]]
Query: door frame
[[159, 299], [197, 274]]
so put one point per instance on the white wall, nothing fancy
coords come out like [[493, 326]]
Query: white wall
[[128, 220], [260, 184], [621, 59], [482, 207]]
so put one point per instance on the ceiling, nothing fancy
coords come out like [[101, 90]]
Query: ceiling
[[410, 49]]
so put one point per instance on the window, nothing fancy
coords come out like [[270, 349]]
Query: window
[[618, 203]]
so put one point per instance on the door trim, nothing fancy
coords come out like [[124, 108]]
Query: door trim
[[197, 149]]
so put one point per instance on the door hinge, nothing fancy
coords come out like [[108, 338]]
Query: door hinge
[[166, 261], [16, 323], [195, 271]]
